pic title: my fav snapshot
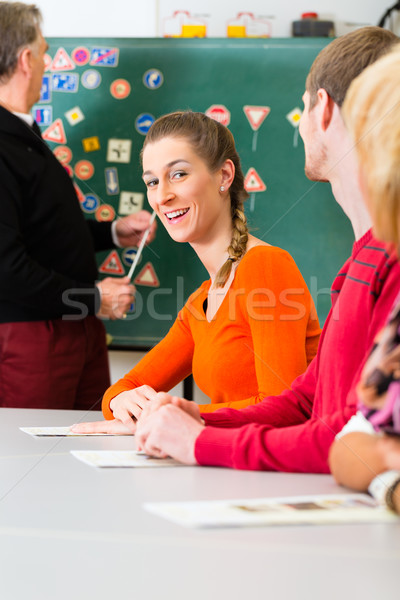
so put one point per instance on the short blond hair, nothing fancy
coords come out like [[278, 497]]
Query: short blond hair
[[371, 111]]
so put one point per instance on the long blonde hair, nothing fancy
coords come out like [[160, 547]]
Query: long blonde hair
[[214, 143]]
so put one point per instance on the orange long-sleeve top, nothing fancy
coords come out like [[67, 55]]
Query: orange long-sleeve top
[[263, 335]]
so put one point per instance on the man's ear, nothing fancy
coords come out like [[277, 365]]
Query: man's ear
[[25, 61], [326, 108]]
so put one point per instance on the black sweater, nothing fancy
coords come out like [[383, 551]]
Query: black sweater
[[46, 246]]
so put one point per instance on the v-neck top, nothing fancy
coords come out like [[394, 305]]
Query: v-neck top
[[263, 335]]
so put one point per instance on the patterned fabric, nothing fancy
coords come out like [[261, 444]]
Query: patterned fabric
[[382, 379]]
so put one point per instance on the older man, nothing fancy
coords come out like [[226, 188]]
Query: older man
[[52, 345]]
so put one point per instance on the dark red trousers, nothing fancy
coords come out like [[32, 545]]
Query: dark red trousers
[[53, 364]]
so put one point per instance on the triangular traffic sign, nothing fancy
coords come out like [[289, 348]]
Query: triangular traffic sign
[[62, 61], [147, 276], [256, 115], [253, 182], [55, 133], [112, 264]]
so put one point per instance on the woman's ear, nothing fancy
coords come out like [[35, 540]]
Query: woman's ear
[[227, 174]]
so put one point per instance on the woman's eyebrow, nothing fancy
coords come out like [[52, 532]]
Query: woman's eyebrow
[[169, 165]]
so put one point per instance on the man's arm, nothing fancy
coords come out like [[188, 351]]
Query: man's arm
[[298, 448], [125, 231], [40, 290], [25, 282], [292, 407]]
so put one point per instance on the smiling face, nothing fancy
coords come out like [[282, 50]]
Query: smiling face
[[183, 191]]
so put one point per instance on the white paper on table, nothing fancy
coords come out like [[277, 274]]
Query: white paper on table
[[122, 458], [295, 510], [59, 432]]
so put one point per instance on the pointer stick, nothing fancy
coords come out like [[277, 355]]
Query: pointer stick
[[141, 246]]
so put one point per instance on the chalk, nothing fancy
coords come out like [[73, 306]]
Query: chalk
[[141, 246]]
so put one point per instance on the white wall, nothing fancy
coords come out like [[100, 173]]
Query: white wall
[[99, 18], [138, 18]]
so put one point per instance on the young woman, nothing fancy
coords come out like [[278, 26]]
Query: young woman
[[366, 454], [251, 328]]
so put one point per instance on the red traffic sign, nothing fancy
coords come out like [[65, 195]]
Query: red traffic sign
[[147, 276], [55, 133], [256, 115], [105, 212], [120, 89], [62, 61], [253, 182], [81, 55], [64, 154], [112, 264], [219, 113], [84, 169]]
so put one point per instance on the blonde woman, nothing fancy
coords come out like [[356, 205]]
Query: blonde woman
[[366, 454]]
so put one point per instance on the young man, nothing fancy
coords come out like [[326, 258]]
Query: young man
[[366, 453], [293, 431], [52, 346]]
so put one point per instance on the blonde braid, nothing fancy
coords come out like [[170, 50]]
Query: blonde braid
[[237, 248]]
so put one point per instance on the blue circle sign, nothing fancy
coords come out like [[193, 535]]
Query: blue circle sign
[[144, 122], [153, 79], [128, 256], [90, 203], [91, 79]]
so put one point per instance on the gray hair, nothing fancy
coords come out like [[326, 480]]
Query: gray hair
[[19, 27]]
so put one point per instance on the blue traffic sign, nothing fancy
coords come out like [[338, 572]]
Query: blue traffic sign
[[128, 256], [104, 57], [112, 183], [65, 82], [43, 115], [90, 203], [45, 91], [153, 79], [91, 79], [144, 122]]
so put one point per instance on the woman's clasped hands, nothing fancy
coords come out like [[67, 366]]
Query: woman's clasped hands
[[164, 425], [126, 408]]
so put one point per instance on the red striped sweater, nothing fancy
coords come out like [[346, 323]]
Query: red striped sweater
[[293, 431]]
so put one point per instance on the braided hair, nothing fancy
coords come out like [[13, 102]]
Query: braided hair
[[214, 143]]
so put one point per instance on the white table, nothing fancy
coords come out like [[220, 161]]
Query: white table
[[71, 531]]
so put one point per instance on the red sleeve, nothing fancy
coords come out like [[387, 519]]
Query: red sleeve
[[292, 407], [276, 435], [300, 448]]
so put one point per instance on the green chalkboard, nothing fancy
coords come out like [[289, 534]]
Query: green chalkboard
[[82, 95]]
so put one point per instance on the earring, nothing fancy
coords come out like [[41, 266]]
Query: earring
[[222, 188]]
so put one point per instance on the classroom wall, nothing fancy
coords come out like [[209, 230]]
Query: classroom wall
[[127, 18], [134, 18]]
